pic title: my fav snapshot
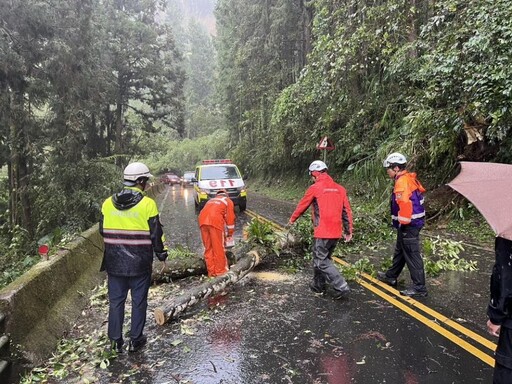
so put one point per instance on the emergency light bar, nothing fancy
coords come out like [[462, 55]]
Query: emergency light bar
[[217, 161]]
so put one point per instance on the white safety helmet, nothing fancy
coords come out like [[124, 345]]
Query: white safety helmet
[[134, 171], [394, 158], [317, 165]]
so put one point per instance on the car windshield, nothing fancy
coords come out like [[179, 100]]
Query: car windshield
[[219, 172]]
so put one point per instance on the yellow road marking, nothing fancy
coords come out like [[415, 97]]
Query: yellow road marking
[[429, 323], [438, 316], [416, 304], [259, 217]]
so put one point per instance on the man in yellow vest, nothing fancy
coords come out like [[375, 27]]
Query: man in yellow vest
[[132, 232]]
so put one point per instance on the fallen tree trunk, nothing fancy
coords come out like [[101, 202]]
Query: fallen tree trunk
[[181, 267], [178, 268], [244, 265]]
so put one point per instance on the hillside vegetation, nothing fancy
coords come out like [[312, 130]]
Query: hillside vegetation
[[431, 79], [88, 86]]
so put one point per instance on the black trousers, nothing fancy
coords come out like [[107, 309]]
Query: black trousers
[[118, 287], [503, 357], [407, 251]]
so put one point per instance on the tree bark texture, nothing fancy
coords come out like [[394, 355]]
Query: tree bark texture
[[19, 201], [178, 268], [172, 309]]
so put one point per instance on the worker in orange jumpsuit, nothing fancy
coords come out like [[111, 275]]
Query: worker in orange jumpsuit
[[216, 218]]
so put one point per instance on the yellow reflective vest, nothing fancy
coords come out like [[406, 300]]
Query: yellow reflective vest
[[131, 229]]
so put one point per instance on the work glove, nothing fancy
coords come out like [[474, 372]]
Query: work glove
[[229, 242], [162, 256]]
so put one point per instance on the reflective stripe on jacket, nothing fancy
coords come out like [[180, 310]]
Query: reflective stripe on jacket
[[330, 208], [219, 212], [131, 230], [407, 201]]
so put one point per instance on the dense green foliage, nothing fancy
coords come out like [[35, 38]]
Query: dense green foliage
[[443, 255], [381, 76], [260, 51], [191, 23], [83, 85], [182, 155]]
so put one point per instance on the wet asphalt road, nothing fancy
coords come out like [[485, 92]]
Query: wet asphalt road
[[269, 328]]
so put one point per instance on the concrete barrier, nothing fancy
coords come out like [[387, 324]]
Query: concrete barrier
[[45, 301]]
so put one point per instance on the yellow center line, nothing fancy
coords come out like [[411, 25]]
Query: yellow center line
[[438, 316], [429, 323], [416, 304], [259, 217]]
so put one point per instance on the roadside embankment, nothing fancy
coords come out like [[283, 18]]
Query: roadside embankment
[[43, 303]]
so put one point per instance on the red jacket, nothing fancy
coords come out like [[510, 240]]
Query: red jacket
[[219, 212], [331, 212]]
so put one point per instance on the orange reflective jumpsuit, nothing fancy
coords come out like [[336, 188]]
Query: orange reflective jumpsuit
[[217, 216]]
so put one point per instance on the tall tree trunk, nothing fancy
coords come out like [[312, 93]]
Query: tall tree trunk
[[118, 143], [19, 201], [307, 46], [413, 34], [106, 130]]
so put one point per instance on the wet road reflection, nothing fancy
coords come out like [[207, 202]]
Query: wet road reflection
[[177, 213]]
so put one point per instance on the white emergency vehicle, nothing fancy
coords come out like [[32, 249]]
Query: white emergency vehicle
[[212, 175]]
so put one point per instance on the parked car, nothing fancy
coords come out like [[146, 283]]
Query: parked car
[[187, 179], [171, 179]]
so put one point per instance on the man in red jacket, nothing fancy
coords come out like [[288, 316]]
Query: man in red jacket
[[217, 216], [332, 219]]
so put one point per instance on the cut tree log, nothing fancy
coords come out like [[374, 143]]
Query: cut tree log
[[178, 268], [176, 306]]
